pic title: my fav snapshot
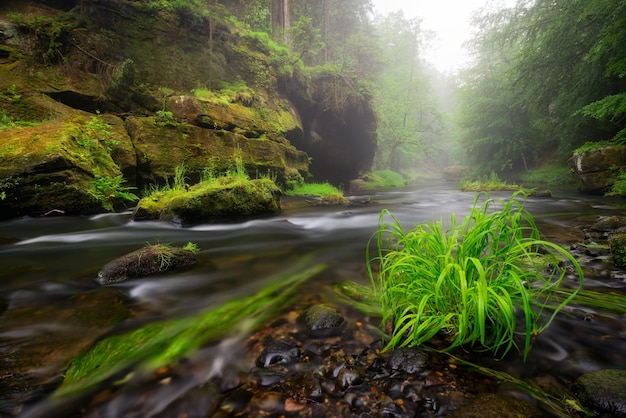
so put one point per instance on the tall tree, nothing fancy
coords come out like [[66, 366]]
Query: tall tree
[[281, 20], [406, 111], [557, 81]]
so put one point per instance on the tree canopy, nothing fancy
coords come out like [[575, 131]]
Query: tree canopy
[[548, 77]]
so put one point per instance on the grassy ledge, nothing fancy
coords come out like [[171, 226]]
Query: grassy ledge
[[326, 192]]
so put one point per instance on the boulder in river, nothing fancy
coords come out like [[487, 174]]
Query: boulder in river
[[207, 202], [151, 259], [321, 321], [603, 391], [596, 167]]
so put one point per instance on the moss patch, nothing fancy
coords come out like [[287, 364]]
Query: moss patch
[[229, 198]]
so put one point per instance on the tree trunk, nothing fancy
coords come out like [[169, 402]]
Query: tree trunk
[[326, 29], [281, 20]]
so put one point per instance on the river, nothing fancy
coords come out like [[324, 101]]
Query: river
[[44, 259]]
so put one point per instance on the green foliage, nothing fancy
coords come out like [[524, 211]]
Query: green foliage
[[549, 76], [53, 35], [554, 175], [164, 118], [122, 80], [617, 244], [610, 109], [382, 179], [108, 190], [466, 282], [306, 39], [100, 131], [315, 189], [164, 342], [591, 145], [180, 179], [192, 246], [487, 183], [5, 120], [408, 121], [618, 188]]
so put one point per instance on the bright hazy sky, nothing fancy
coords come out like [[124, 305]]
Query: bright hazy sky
[[450, 19]]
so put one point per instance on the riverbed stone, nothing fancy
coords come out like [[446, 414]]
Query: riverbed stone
[[491, 405], [603, 391], [408, 359], [149, 260], [278, 352], [321, 321]]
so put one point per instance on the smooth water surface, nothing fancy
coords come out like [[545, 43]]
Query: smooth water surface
[[47, 258]]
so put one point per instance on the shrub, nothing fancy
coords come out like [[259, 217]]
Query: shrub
[[107, 190], [469, 281], [383, 178], [326, 191]]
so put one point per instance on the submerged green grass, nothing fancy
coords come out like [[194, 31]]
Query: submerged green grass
[[161, 343], [469, 282]]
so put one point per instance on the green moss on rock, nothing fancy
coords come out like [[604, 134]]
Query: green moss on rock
[[231, 198], [617, 244], [53, 166]]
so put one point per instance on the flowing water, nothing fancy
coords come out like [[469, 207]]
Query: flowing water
[[46, 259]]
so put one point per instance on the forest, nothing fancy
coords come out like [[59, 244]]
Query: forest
[[547, 78]]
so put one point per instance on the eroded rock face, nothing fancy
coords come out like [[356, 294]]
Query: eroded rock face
[[53, 166], [160, 148], [596, 168]]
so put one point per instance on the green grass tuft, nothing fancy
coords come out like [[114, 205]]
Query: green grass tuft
[[326, 191], [381, 179], [487, 184], [468, 282]]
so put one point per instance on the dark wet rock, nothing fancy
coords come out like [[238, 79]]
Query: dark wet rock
[[279, 352], [605, 226], [45, 336], [603, 391], [540, 193], [489, 405], [348, 376], [409, 360], [149, 260], [321, 321]]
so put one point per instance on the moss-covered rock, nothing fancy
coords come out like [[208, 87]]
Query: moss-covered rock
[[617, 244], [227, 198], [163, 147], [603, 391], [597, 168], [149, 260], [63, 165]]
